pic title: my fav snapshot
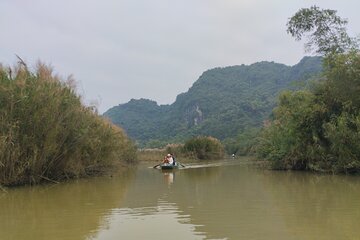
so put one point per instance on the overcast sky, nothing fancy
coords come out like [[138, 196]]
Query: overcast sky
[[155, 49]]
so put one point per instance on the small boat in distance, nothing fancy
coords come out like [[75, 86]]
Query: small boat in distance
[[169, 166], [169, 163]]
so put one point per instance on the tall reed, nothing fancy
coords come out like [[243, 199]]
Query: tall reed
[[47, 133]]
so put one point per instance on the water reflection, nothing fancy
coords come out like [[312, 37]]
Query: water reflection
[[163, 221], [325, 206], [241, 202], [169, 176], [234, 201], [71, 210]]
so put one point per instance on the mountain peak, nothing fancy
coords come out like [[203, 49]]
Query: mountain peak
[[223, 102]]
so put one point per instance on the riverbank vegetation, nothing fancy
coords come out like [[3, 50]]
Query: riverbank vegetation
[[318, 128], [157, 154], [204, 148], [197, 148], [47, 134]]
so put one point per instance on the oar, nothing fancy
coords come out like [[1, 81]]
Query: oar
[[157, 165], [182, 165]]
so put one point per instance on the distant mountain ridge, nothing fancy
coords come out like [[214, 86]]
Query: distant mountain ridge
[[222, 103]]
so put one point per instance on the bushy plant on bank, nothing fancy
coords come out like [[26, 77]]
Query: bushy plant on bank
[[47, 134], [204, 148], [158, 154], [197, 148]]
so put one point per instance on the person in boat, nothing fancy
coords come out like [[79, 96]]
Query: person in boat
[[168, 159], [174, 160]]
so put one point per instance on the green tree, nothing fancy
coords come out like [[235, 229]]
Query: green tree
[[326, 32], [318, 128]]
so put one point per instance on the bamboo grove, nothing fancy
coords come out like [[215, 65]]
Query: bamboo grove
[[318, 128], [46, 133]]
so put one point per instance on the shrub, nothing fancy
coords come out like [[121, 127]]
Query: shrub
[[204, 148]]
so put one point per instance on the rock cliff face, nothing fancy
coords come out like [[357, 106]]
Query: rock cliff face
[[222, 103], [193, 116]]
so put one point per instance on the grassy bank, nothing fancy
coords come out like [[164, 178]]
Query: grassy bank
[[194, 149], [47, 134], [157, 155]]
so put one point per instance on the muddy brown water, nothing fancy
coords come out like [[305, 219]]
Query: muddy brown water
[[223, 200]]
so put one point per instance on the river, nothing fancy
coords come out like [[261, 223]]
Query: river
[[226, 200]]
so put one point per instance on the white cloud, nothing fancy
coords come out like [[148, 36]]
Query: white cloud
[[123, 49]]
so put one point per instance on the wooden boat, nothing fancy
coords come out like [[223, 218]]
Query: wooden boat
[[168, 166], [164, 166]]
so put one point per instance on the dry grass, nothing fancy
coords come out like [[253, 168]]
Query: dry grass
[[47, 134], [157, 155], [151, 155]]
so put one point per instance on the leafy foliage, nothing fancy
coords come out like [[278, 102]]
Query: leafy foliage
[[243, 143], [326, 31], [319, 128]]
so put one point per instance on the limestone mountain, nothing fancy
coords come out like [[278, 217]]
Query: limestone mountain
[[223, 103]]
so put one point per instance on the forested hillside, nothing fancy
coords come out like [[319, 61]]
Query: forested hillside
[[223, 102], [318, 128]]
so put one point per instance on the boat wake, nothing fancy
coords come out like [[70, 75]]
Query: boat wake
[[219, 163], [214, 164]]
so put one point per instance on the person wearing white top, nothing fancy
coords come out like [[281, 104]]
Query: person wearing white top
[[169, 159]]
